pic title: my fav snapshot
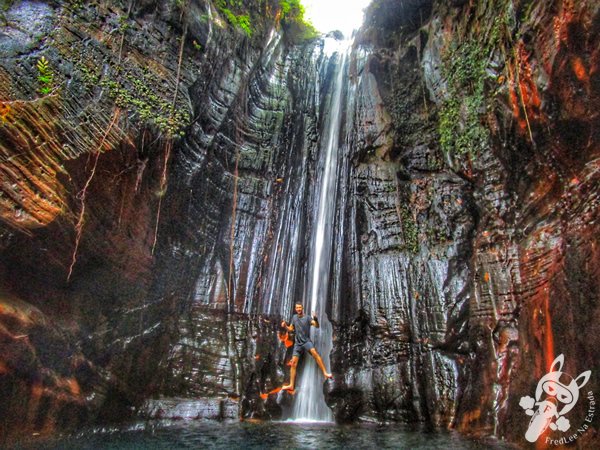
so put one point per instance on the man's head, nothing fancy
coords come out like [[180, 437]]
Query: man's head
[[298, 308]]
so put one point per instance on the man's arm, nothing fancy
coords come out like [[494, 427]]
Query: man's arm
[[286, 326], [314, 322]]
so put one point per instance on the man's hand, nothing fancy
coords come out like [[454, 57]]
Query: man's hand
[[283, 324], [314, 322]]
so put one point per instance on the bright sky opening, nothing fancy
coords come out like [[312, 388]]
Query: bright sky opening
[[329, 15]]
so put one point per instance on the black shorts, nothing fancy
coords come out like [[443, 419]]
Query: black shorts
[[299, 349]]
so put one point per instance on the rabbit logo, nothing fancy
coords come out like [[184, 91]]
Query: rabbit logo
[[556, 394]]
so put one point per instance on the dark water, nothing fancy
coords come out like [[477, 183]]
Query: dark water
[[268, 435]]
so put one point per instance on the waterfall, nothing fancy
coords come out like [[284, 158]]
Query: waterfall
[[310, 403]]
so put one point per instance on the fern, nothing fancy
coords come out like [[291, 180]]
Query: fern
[[241, 21], [244, 24], [45, 76]]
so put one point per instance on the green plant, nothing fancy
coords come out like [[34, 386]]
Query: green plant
[[45, 76], [241, 21], [4, 7], [76, 4], [461, 130], [292, 10], [410, 232], [123, 25], [465, 69], [297, 27], [289, 12], [135, 92], [90, 77], [460, 127]]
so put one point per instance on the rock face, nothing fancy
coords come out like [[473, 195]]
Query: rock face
[[469, 241], [158, 181]]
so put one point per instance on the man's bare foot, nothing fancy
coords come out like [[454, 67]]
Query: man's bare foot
[[328, 376], [287, 387]]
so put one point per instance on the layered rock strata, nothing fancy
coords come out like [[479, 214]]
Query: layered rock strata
[[157, 194]]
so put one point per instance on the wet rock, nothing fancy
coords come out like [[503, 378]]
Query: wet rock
[[456, 275], [25, 25], [273, 409], [45, 382], [347, 403], [337, 35], [285, 401], [190, 409]]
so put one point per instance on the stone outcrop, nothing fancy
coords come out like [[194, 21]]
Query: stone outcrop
[[470, 264], [158, 179], [99, 133]]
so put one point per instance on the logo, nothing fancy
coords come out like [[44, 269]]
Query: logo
[[556, 394]]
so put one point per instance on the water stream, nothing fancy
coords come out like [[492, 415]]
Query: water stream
[[260, 436], [310, 404]]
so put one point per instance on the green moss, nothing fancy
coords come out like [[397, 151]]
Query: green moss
[[297, 28], [137, 94], [4, 7], [461, 127], [143, 93], [241, 21], [76, 4], [123, 25], [244, 24], [410, 233], [90, 77], [245, 15], [437, 235]]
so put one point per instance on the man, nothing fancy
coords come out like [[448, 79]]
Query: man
[[301, 326]]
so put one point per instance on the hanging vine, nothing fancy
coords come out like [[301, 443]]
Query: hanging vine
[[169, 142], [82, 195]]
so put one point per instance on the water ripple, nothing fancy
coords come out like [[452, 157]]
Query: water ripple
[[268, 435]]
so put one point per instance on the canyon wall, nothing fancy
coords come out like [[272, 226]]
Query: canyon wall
[[470, 233], [158, 174]]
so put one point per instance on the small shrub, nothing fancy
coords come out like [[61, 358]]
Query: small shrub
[[45, 76], [297, 27], [460, 126], [241, 21]]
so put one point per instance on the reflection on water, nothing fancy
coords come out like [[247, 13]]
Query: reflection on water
[[267, 435]]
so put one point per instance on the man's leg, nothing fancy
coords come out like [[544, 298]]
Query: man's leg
[[317, 357], [293, 365]]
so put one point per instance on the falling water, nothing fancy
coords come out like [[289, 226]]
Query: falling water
[[310, 403]]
